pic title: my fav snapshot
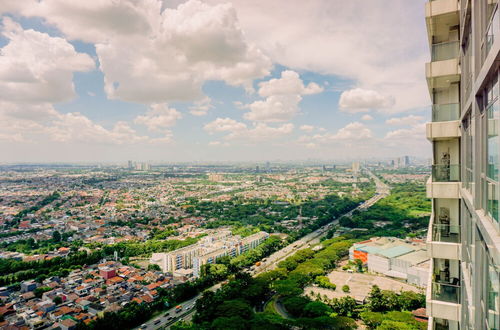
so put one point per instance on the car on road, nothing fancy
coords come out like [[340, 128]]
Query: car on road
[[157, 322], [169, 318], [144, 326]]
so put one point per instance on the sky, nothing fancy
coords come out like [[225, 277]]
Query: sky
[[169, 81]]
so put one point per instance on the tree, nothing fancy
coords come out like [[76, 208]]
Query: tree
[[287, 288], [316, 309], [57, 300], [346, 288], [295, 305], [359, 265], [409, 300], [376, 301], [234, 308], [56, 236], [345, 306], [265, 321], [372, 319], [230, 323], [41, 290], [154, 267], [324, 282]]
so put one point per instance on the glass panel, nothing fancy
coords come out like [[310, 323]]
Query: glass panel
[[493, 142], [445, 233], [445, 112], [493, 155], [446, 173], [444, 51], [493, 298], [446, 292]]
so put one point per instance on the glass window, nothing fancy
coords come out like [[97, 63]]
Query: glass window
[[493, 296], [492, 150]]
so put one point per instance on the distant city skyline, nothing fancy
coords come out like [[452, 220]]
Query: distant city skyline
[[187, 81]]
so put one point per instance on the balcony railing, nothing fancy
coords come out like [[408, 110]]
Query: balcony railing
[[446, 292], [445, 112], [445, 51], [446, 173], [445, 233]]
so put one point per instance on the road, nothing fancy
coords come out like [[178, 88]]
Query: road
[[269, 263]]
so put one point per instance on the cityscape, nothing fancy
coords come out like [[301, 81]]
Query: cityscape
[[235, 165]]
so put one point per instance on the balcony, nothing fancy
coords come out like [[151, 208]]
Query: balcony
[[443, 240], [441, 16], [443, 130], [435, 8], [446, 292], [445, 112], [445, 189], [443, 291], [445, 51], [445, 233], [446, 173]]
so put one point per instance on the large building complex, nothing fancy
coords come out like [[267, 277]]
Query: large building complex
[[402, 259], [209, 249], [464, 233]]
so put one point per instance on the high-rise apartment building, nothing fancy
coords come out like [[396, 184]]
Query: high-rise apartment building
[[464, 231]]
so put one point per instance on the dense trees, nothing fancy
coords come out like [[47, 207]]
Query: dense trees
[[382, 300], [12, 271], [404, 211]]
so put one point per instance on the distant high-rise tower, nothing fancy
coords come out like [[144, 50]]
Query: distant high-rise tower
[[130, 164], [464, 231], [406, 161], [355, 168]]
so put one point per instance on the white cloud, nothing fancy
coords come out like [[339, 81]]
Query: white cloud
[[354, 133], [306, 128], [239, 131], [224, 125], [412, 138], [362, 100], [289, 84], [159, 117], [322, 36], [404, 121], [261, 132], [283, 96], [36, 69], [201, 108], [75, 127], [152, 56], [416, 132], [366, 117]]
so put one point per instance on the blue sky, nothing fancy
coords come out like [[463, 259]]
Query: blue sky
[[212, 81]]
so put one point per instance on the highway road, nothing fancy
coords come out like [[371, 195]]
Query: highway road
[[173, 315], [269, 263]]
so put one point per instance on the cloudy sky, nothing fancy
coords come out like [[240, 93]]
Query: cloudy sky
[[112, 80]]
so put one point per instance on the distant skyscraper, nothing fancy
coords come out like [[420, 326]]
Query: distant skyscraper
[[464, 231], [406, 161], [355, 168], [130, 164]]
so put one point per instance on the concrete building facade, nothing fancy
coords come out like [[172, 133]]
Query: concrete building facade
[[207, 251], [393, 257], [464, 233]]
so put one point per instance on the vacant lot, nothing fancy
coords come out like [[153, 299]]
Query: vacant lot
[[360, 285]]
